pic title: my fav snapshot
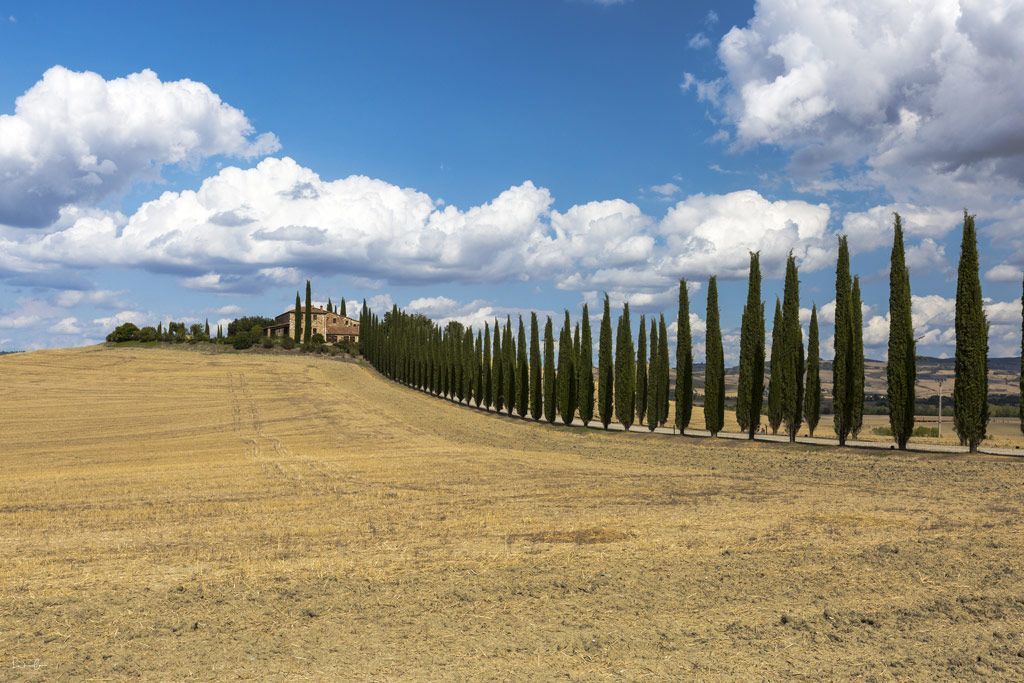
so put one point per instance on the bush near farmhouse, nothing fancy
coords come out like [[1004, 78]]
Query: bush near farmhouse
[[124, 332], [247, 323], [288, 343]]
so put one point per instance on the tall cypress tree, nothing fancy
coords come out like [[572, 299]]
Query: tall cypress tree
[[970, 388], [488, 376], [857, 360], [812, 392], [498, 362], [549, 372], [468, 366], [206, 329], [341, 310], [684, 361], [523, 365], [641, 368], [793, 349], [900, 371], [605, 371], [536, 389], [298, 318], [776, 370], [714, 365], [574, 381], [478, 389], [842, 364], [307, 326], [585, 376], [510, 371], [653, 375], [566, 404], [625, 371], [329, 304], [750, 390], [663, 369]]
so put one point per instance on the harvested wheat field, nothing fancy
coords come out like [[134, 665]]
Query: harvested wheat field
[[175, 514]]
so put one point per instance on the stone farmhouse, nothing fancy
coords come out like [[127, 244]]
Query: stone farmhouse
[[333, 326]]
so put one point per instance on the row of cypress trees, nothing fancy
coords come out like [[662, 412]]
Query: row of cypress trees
[[632, 385], [492, 368]]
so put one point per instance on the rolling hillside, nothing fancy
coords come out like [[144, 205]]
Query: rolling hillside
[[226, 515]]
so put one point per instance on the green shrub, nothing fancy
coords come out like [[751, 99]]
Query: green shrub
[[882, 431], [241, 342], [124, 333], [148, 334], [317, 340], [267, 343], [926, 431], [287, 342]]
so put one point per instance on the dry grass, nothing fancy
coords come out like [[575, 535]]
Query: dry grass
[[170, 515]]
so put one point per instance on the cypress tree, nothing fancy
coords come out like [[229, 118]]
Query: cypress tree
[[793, 349], [307, 326], [549, 372], [523, 365], [653, 374], [857, 360], [641, 368], [663, 369], [298, 318], [478, 388], [714, 365], [329, 304], [842, 364], [566, 404], [206, 329], [574, 381], [970, 388], [684, 361], [750, 388], [625, 371], [468, 366], [499, 369], [605, 381], [488, 376], [536, 389], [900, 371], [341, 309], [775, 371], [812, 393], [576, 350], [510, 371], [585, 378]]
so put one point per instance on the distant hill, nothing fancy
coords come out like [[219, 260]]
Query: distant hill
[[1003, 377]]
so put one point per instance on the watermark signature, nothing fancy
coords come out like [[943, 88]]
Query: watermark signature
[[27, 663]]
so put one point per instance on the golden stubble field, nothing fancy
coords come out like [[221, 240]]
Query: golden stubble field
[[174, 514]]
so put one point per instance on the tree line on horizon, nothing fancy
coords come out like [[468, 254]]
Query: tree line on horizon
[[492, 368]]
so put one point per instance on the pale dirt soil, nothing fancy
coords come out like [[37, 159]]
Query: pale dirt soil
[[172, 514]]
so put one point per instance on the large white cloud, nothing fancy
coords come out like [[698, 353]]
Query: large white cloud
[[246, 228], [713, 234], [924, 92], [75, 138]]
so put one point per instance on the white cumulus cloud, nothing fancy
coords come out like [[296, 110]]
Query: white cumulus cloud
[[924, 93], [75, 137]]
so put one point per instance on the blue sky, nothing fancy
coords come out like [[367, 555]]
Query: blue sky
[[470, 159]]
